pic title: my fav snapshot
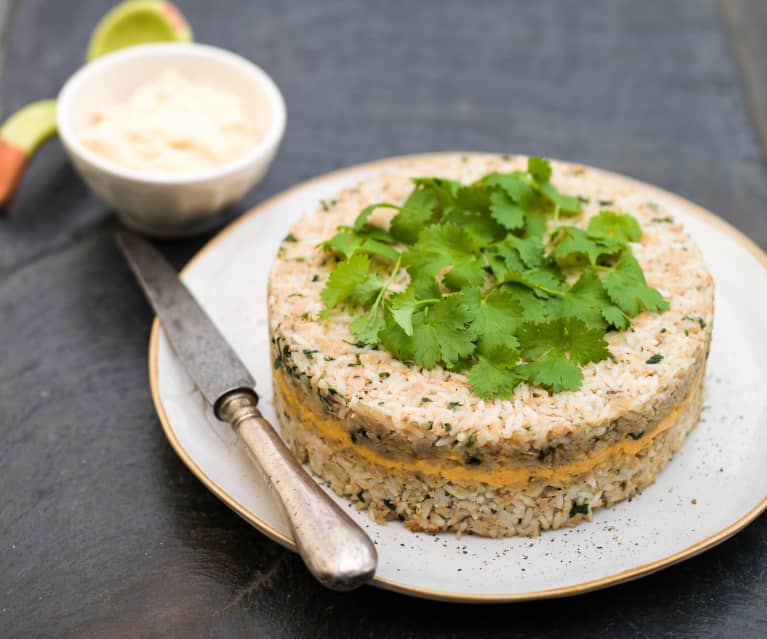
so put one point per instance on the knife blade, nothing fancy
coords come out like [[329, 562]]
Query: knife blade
[[206, 355], [335, 549]]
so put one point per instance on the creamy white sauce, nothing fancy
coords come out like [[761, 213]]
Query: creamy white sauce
[[173, 125]]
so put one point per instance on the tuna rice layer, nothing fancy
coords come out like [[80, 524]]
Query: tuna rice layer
[[436, 501]]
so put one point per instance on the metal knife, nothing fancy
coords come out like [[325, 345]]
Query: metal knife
[[335, 549]]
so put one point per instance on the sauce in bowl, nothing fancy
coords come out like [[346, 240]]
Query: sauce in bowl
[[173, 125]]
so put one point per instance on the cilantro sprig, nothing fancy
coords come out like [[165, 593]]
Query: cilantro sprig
[[498, 286]]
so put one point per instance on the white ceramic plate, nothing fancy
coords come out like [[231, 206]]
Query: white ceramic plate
[[713, 487]]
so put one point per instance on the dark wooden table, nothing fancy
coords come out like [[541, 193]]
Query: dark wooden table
[[103, 531]]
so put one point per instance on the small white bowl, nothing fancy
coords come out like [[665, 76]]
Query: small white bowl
[[169, 204]]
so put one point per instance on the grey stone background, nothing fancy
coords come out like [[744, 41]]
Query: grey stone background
[[103, 532]]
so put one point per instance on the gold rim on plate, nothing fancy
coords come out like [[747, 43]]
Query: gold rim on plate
[[563, 591]]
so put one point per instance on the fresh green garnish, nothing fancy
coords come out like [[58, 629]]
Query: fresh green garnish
[[497, 286], [579, 509], [698, 320]]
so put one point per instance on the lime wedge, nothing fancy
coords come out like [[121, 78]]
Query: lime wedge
[[29, 127], [138, 22]]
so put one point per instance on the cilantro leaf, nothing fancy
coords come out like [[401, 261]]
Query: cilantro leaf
[[473, 198], [503, 260], [543, 282], [425, 288], [402, 306], [567, 204], [395, 339], [553, 371], [583, 344], [536, 338], [482, 227], [628, 289], [536, 224], [539, 169], [494, 375], [367, 238], [588, 300], [616, 317], [440, 332], [522, 260], [343, 281], [371, 292], [415, 213], [367, 326], [585, 300], [464, 274], [439, 247], [367, 290], [559, 347], [452, 320], [619, 226], [515, 186], [445, 190], [343, 243], [443, 331], [572, 243], [361, 221], [426, 350], [441, 243], [374, 247], [496, 319], [534, 308], [505, 212], [368, 231], [530, 249]]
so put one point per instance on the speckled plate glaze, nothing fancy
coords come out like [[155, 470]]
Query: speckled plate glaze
[[714, 486]]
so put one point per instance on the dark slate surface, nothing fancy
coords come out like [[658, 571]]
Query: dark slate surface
[[103, 532]]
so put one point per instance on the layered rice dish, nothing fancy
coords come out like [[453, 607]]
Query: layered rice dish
[[418, 444]]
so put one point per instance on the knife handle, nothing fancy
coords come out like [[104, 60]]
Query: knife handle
[[335, 549]]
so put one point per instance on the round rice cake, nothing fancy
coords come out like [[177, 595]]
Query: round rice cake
[[419, 446]]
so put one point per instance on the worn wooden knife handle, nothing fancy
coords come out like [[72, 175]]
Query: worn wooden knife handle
[[335, 549]]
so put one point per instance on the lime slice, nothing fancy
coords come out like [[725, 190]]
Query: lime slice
[[138, 22], [29, 127]]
